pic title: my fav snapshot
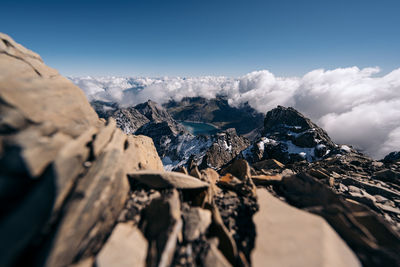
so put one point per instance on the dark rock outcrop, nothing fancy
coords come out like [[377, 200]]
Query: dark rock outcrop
[[392, 157], [226, 146], [288, 136]]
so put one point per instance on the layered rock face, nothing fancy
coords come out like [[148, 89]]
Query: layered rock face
[[64, 171]]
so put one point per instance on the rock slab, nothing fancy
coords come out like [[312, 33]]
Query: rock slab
[[287, 236]]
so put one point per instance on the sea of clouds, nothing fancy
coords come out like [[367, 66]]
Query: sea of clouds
[[355, 106]]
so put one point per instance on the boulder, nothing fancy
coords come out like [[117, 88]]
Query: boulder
[[126, 247], [283, 230]]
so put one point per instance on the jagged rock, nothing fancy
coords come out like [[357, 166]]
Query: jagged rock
[[226, 147], [162, 233], [370, 237], [125, 247], [65, 108], [215, 258], [129, 119], [160, 180], [308, 239], [87, 219], [289, 137], [195, 172], [268, 164], [196, 221], [210, 176], [239, 168], [266, 179], [226, 243], [388, 175], [63, 172], [392, 157], [236, 211]]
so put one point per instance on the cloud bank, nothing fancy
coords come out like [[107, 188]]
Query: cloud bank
[[355, 106]]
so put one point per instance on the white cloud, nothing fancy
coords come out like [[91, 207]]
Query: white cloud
[[354, 105]]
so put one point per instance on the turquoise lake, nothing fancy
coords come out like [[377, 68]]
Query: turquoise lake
[[197, 128]]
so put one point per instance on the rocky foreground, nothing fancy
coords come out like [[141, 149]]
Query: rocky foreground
[[78, 191]]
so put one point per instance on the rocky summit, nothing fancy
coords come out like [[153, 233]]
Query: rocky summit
[[96, 184]]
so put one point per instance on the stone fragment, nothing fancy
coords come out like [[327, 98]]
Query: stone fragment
[[162, 232], [226, 243], [266, 179], [318, 173], [195, 172], [126, 247], [239, 168], [278, 236], [160, 180], [196, 222], [215, 258], [268, 164], [210, 175]]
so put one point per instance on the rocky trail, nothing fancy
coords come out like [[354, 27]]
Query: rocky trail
[[78, 188]]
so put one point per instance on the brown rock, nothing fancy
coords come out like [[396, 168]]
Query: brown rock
[[140, 154], [33, 149], [87, 219], [195, 172], [103, 137], [196, 222], [226, 243], [278, 236], [239, 168], [126, 247], [319, 173], [69, 164], [160, 179], [162, 233], [215, 258], [66, 108], [268, 164], [266, 179]]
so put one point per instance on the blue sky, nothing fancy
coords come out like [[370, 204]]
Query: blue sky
[[202, 37]]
